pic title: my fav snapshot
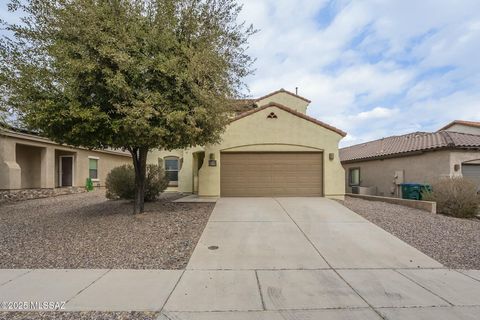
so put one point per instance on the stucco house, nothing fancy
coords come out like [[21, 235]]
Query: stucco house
[[472, 127], [28, 161], [379, 167], [269, 148]]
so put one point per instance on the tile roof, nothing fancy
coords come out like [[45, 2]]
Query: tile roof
[[240, 106], [412, 142], [7, 130], [284, 91], [462, 122]]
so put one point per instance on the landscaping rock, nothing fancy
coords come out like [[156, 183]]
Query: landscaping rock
[[454, 242], [79, 315], [88, 231], [28, 194]]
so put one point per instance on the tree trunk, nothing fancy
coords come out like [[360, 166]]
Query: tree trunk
[[139, 156]]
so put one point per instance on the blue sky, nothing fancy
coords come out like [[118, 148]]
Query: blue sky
[[373, 68]]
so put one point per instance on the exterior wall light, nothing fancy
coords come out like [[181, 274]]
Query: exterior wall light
[[331, 156], [212, 162]]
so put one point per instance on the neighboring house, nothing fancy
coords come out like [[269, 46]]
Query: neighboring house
[[472, 127], [270, 148], [379, 167], [28, 161]]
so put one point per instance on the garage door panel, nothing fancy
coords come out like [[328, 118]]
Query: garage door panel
[[472, 173], [284, 192], [271, 174], [307, 177], [296, 180], [291, 179]]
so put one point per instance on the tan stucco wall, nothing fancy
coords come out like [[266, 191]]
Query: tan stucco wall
[[30, 160], [10, 173], [464, 129], [286, 133], [106, 162], [422, 168], [459, 157], [186, 172], [47, 177], [286, 99]]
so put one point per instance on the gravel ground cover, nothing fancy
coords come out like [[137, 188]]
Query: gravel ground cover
[[452, 241], [88, 231], [79, 315]]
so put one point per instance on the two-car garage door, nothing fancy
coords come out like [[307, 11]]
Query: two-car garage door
[[265, 174]]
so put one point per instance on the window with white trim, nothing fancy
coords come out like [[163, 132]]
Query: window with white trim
[[93, 168], [172, 166]]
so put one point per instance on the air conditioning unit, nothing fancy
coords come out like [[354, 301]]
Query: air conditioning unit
[[370, 191]]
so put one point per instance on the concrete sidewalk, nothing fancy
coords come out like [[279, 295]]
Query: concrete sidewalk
[[265, 258], [248, 294]]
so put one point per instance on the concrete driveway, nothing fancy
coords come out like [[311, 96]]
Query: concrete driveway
[[298, 233], [312, 258]]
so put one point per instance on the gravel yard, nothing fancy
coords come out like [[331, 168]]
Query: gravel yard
[[88, 231], [79, 315], [453, 242]]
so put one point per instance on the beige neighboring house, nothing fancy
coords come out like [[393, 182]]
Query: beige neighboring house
[[379, 167], [28, 161], [270, 148], [472, 127]]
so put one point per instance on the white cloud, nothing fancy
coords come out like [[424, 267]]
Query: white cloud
[[372, 68], [377, 113], [417, 60]]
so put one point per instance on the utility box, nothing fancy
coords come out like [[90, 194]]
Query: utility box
[[398, 178]]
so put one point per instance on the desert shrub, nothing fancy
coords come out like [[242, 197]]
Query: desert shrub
[[120, 182], [156, 182], [455, 197]]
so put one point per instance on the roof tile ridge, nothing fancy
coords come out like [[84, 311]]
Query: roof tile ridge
[[448, 139]]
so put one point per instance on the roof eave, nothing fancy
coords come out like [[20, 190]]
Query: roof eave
[[410, 153], [461, 122], [283, 91], [40, 139]]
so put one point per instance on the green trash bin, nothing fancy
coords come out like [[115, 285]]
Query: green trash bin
[[413, 191]]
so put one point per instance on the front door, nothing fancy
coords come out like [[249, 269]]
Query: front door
[[66, 171]]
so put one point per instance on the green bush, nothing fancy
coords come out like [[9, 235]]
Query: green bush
[[120, 182], [156, 182], [455, 197]]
